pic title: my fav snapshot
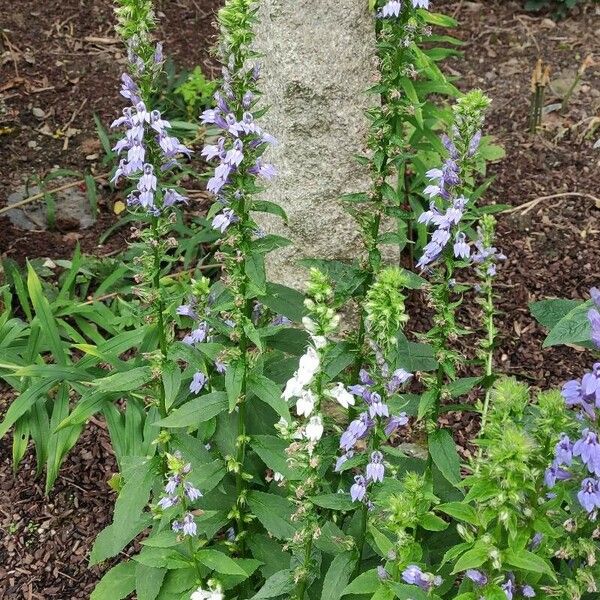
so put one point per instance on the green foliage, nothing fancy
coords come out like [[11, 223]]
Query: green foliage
[[196, 91]]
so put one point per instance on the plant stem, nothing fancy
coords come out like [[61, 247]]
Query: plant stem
[[159, 316], [489, 358], [301, 585]]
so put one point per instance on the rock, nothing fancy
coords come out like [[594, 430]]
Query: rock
[[72, 208], [317, 61], [38, 113]]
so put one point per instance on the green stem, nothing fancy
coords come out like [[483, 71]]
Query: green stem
[[301, 585], [489, 358], [159, 310]]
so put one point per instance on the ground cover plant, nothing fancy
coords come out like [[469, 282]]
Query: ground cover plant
[[261, 452]]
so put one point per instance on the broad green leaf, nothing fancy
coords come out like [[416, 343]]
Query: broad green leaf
[[196, 411], [271, 450], [338, 575], [128, 517], [270, 393], [549, 312], [234, 380], [148, 581], [414, 356], [334, 501], [279, 584], [270, 552], [269, 207], [528, 561], [431, 522], [402, 591], [257, 277], [117, 583], [219, 562], [573, 328], [443, 453], [472, 559], [269, 243], [459, 510], [273, 512], [365, 583], [284, 301]]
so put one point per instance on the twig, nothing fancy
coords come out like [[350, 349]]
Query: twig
[[41, 195], [529, 206]]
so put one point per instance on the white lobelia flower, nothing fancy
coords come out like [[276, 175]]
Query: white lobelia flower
[[305, 404], [314, 429], [309, 324], [293, 388], [342, 395], [320, 341], [278, 476], [309, 365], [212, 594]]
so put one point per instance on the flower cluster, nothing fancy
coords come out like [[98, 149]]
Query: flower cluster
[[196, 309], [376, 419], [241, 141], [447, 183], [178, 491], [393, 8], [145, 131], [414, 575]]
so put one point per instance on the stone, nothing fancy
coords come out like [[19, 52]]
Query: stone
[[317, 61], [72, 208]]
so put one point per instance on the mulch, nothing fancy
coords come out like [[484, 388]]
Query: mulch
[[68, 64]]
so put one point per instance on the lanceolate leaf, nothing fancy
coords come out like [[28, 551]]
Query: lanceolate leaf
[[443, 452], [197, 410], [117, 584]]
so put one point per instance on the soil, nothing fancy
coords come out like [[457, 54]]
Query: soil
[[67, 63]]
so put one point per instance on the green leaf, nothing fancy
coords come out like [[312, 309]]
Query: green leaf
[[273, 512], [403, 591], [431, 522], [117, 583], [234, 379], [200, 409], [270, 393], [270, 552], [460, 511], [126, 381], [284, 301], [269, 207], [128, 517], [22, 403], [528, 561], [472, 559], [171, 378], [269, 243], [347, 278], [573, 328], [279, 584], [365, 583], [148, 581], [257, 277], [549, 312], [219, 562], [443, 452], [338, 575], [334, 501], [414, 356], [271, 450], [44, 314]]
